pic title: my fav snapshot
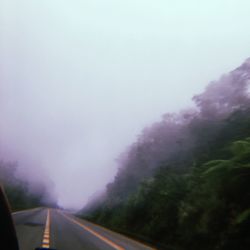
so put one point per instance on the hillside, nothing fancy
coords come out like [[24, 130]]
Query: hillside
[[184, 184], [19, 192]]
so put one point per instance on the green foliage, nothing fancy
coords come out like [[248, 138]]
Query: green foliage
[[17, 190], [243, 217], [203, 208], [20, 198], [184, 185]]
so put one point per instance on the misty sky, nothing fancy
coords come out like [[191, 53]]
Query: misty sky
[[79, 79]]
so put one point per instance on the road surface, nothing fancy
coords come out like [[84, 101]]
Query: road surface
[[42, 227]]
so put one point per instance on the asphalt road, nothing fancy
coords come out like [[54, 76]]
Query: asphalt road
[[56, 229]]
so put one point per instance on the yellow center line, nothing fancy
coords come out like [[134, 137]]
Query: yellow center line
[[109, 242], [46, 235]]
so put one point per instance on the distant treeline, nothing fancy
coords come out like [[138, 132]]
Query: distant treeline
[[18, 191], [185, 183]]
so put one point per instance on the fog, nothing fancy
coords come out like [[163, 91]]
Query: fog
[[79, 80]]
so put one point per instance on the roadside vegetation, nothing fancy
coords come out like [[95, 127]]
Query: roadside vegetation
[[184, 184], [18, 191]]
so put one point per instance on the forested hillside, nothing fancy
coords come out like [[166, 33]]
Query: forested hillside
[[184, 184], [19, 192]]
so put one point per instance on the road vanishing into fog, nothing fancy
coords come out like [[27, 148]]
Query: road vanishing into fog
[[43, 227]]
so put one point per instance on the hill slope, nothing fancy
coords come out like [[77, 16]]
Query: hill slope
[[184, 184], [19, 192]]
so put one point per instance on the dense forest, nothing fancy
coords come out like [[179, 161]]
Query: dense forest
[[19, 192], [184, 184]]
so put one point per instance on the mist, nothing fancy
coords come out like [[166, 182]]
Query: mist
[[80, 79]]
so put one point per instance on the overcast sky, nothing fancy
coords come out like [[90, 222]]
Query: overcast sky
[[79, 79]]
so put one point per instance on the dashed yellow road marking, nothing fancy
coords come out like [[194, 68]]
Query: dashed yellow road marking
[[46, 235], [107, 241]]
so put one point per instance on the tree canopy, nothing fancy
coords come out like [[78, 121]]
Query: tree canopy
[[184, 184]]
